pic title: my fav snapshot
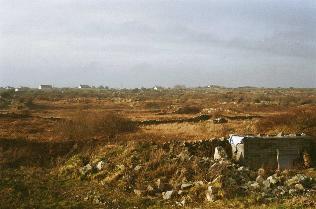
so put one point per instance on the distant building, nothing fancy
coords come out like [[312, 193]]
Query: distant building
[[43, 87], [9, 87], [84, 87], [273, 152]]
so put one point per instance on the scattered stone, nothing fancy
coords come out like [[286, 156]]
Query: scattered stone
[[243, 168], [266, 184], [299, 187], [100, 165], [210, 194], [220, 120], [220, 153], [137, 168], [281, 134], [167, 195], [292, 191], [150, 188], [186, 186], [273, 180], [255, 186], [86, 169], [138, 192]]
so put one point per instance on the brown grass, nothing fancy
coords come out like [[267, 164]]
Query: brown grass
[[295, 121], [93, 125]]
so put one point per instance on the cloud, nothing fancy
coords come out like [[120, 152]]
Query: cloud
[[126, 43]]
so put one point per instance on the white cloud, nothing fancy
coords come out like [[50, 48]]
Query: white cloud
[[157, 42]]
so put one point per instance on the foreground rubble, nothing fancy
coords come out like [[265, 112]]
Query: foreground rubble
[[184, 173]]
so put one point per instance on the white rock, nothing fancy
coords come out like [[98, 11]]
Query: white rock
[[137, 168], [100, 165], [242, 168], [292, 191], [167, 195], [210, 194], [299, 187], [137, 192], [266, 184], [85, 169], [273, 179], [220, 153], [259, 179], [255, 186], [150, 188], [186, 185]]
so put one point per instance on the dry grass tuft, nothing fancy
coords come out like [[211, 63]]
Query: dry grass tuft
[[93, 125], [298, 120]]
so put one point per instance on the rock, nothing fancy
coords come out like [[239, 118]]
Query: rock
[[280, 134], [220, 153], [242, 168], [186, 185], [220, 120], [266, 184], [158, 183], [138, 192], [299, 187], [292, 191], [211, 194], [255, 186], [137, 168], [297, 179], [273, 180], [199, 183], [167, 195], [280, 190], [100, 165], [86, 169], [150, 188], [259, 179], [182, 203], [121, 167]]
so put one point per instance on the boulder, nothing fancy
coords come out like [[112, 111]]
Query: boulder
[[266, 184], [138, 192], [255, 186], [259, 179], [299, 187], [85, 169], [186, 186], [273, 179], [167, 195], [211, 194], [100, 165], [137, 168]]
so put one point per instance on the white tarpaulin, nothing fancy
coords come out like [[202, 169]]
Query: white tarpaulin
[[236, 139]]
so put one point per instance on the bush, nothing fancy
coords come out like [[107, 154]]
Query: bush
[[92, 125]]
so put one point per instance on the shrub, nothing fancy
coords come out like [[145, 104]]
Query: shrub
[[92, 125]]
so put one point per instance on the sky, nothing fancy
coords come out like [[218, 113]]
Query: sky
[[142, 43]]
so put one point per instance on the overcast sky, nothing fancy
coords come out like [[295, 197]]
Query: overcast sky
[[134, 43]]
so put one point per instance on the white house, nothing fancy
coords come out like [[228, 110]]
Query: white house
[[84, 86], [42, 87]]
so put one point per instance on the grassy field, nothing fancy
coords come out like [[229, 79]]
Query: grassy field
[[41, 132]]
